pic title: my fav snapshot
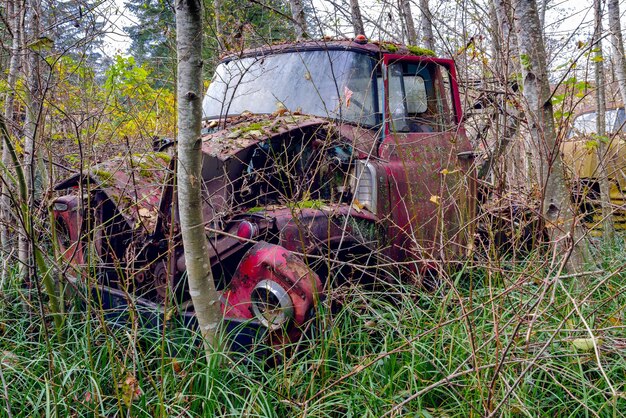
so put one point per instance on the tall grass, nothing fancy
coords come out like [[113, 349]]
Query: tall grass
[[508, 341]]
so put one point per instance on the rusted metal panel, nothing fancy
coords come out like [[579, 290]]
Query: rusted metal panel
[[266, 261], [134, 183]]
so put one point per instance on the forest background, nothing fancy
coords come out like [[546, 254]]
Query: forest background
[[510, 335]]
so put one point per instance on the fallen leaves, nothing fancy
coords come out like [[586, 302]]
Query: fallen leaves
[[586, 344], [130, 390]]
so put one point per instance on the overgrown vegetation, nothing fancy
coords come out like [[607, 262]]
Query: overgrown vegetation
[[509, 341]]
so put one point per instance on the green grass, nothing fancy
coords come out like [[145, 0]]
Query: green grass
[[491, 341]]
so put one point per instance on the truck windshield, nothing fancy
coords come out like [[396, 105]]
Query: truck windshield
[[329, 83], [585, 124]]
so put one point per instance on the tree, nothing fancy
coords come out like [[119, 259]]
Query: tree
[[503, 123], [426, 26], [565, 233], [299, 19], [601, 149], [152, 38], [15, 18], [618, 46], [357, 21], [405, 12], [219, 27], [201, 285]]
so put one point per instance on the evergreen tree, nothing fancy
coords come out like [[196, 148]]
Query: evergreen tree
[[245, 24]]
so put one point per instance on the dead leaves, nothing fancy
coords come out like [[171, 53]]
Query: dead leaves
[[129, 389]]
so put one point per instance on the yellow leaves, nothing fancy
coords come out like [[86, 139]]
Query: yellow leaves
[[178, 368], [614, 321], [148, 217], [348, 95], [445, 171], [435, 199], [358, 206], [357, 368], [281, 109]]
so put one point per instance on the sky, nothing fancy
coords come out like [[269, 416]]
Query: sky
[[116, 41], [567, 20]]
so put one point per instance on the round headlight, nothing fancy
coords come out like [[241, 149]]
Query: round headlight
[[271, 304]]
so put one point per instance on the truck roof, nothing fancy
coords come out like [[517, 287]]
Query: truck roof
[[359, 44]]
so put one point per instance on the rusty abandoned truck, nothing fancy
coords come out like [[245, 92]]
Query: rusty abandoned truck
[[318, 156]]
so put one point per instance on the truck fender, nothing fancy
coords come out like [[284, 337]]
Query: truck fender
[[272, 270]]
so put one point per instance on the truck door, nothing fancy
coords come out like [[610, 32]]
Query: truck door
[[432, 197]]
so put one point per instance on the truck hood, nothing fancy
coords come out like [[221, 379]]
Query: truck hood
[[136, 183], [230, 163], [133, 182]]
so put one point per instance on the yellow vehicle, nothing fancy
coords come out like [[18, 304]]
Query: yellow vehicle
[[580, 155]]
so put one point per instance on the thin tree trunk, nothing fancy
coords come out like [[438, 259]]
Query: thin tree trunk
[[543, 7], [618, 46], [201, 285], [506, 37], [426, 25], [297, 12], [601, 149], [405, 9], [14, 14], [219, 27], [557, 210], [357, 20], [31, 103], [506, 120]]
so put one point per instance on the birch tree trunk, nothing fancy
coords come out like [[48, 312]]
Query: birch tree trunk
[[618, 46], [563, 228], [405, 9], [426, 26], [31, 103], [14, 14], [297, 12], [357, 20], [506, 120], [602, 148], [543, 7], [201, 285]]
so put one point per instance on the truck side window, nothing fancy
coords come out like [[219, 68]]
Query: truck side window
[[416, 102], [585, 124], [397, 103]]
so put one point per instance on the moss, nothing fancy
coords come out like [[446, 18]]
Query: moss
[[148, 163], [418, 50], [163, 156], [145, 172], [254, 126], [389, 47], [308, 204], [256, 209], [104, 177]]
